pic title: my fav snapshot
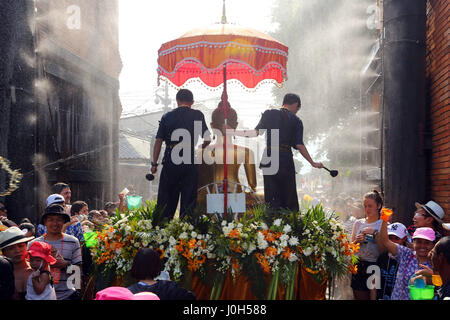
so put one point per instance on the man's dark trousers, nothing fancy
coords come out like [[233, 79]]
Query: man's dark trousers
[[280, 189], [176, 180]]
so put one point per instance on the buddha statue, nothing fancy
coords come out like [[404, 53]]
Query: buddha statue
[[211, 167]]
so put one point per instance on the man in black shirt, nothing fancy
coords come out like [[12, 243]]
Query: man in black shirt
[[180, 129], [284, 132]]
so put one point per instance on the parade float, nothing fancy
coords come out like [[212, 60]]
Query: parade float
[[264, 254]]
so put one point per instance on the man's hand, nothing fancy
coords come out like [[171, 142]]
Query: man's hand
[[317, 165], [154, 169]]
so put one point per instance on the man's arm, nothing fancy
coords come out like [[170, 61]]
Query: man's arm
[[156, 152], [249, 133], [304, 152]]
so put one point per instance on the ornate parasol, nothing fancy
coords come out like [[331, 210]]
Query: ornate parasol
[[219, 53]]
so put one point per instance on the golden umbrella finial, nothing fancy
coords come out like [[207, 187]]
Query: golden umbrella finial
[[224, 16]]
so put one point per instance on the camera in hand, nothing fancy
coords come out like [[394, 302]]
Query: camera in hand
[[149, 177]]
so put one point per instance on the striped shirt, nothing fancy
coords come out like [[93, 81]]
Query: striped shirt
[[69, 248]]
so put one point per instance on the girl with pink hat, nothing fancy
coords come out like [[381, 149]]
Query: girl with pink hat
[[40, 283], [409, 260]]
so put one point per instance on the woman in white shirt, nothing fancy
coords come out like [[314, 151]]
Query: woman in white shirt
[[363, 234]]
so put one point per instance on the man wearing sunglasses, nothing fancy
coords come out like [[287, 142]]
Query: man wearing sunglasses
[[428, 215]]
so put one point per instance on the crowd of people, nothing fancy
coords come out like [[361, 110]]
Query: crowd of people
[[37, 260], [397, 254]]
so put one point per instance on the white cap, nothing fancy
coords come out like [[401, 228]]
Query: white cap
[[55, 198], [397, 229]]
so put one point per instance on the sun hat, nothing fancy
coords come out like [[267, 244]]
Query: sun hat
[[55, 209], [54, 198], [433, 209], [121, 293], [424, 233], [42, 250], [12, 236], [397, 229]]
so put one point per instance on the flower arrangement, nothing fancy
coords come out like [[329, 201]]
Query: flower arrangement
[[264, 245]]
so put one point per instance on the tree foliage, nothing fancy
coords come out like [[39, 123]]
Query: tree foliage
[[329, 43]]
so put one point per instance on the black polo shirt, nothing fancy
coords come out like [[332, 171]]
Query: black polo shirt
[[289, 125], [182, 118]]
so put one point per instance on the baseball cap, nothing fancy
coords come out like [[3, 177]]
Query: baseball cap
[[121, 293], [42, 250], [424, 233], [397, 229], [54, 198], [433, 209]]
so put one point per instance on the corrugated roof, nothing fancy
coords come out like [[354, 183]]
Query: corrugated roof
[[132, 147]]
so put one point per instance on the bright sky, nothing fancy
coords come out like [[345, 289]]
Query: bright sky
[[145, 25]]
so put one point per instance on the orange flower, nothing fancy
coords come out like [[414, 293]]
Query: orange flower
[[311, 271], [235, 234], [180, 247], [192, 243], [187, 254], [287, 253], [386, 214], [202, 259], [355, 247], [235, 248], [271, 251], [353, 268], [263, 262], [268, 236], [193, 265], [161, 252]]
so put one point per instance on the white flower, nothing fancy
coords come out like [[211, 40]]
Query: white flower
[[287, 228], [284, 238], [183, 235], [264, 226], [307, 251], [292, 257], [193, 234], [277, 222], [293, 241]]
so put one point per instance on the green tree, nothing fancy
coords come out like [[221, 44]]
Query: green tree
[[329, 44]]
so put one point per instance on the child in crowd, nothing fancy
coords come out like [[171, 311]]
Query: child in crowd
[[398, 234], [409, 260], [363, 233], [40, 283], [145, 269]]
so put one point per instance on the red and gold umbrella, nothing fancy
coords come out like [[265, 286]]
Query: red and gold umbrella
[[249, 56], [223, 52]]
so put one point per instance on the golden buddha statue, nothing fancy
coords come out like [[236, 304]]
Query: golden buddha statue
[[211, 167]]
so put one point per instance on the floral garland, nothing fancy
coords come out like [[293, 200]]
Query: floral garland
[[14, 180], [263, 244]]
